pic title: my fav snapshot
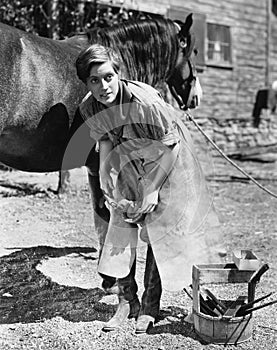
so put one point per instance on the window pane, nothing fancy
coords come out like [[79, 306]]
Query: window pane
[[210, 51], [227, 54], [211, 32], [218, 43]]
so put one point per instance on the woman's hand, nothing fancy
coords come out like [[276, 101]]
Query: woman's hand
[[147, 205], [149, 202]]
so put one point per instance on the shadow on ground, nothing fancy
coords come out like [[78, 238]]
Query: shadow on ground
[[174, 322], [22, 189], [26, 295]]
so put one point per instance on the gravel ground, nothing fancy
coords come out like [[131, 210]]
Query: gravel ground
[[49, 289]]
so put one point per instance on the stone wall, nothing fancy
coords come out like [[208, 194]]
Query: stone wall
[[238, 137]]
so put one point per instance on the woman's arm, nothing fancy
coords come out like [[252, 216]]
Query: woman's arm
[[106, 183], [153, 182], [156, 178]]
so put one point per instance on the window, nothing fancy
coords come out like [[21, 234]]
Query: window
[[218, 45]]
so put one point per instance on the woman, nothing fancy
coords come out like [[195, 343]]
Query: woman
[[152, 184]]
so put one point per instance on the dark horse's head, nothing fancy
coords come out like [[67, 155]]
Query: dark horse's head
[[154, 51], [183, 82]]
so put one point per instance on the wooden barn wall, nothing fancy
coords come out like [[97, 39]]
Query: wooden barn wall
[[229, 94]]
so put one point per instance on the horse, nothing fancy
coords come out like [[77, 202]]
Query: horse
[[40, 91]]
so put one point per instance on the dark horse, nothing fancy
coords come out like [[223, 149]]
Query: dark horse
[[40, 91]]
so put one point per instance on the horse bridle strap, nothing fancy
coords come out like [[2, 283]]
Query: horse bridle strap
[[191, 81], [177, 97]]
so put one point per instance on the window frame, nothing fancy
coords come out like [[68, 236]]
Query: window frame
[[219, 63]]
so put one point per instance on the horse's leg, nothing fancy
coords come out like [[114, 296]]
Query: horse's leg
[[64, 181], [101, 218]]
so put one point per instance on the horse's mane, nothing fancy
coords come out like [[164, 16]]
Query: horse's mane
[[148, 48]]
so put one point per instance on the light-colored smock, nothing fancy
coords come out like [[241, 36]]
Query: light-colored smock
[[141, 127]]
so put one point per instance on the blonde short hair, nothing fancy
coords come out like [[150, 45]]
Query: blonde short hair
[[95, 54]]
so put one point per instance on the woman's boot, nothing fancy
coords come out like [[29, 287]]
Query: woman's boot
[[129, 305], [125, 309], [150, 303]]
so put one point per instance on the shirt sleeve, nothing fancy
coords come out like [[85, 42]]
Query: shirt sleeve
[[160, 124], [97, 128]]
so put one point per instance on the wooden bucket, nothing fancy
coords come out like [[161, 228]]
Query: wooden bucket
[[223, 331], [219, 330]]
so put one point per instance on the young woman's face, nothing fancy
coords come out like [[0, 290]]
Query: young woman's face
[[103, 83]]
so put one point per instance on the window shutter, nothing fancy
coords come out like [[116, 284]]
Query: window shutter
[[274, 7]]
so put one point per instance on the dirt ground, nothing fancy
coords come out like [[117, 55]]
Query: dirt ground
[[49, 289]]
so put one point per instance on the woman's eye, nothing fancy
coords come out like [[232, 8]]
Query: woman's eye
[[94, 81], [109, 77]]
